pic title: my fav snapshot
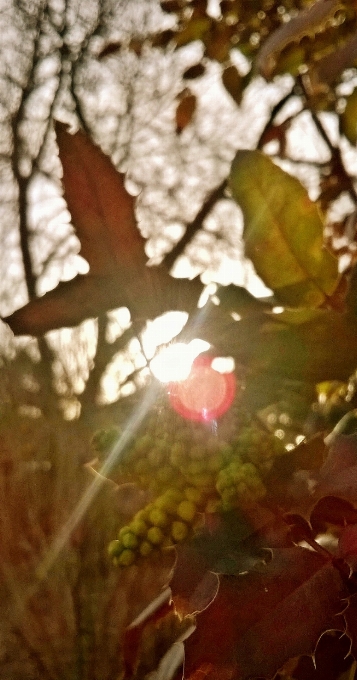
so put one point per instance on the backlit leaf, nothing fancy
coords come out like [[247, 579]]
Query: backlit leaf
[[103, 216], [102, 210], [283, 231]]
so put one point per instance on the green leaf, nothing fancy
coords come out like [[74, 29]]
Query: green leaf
[[237, 299], [298, 346], [283, 231]]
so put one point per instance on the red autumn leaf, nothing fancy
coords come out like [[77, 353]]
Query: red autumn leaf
[[331, 658], [332, 510], [185, 110], [339, 473], [347, 545], [350, 615], [251, 629], [103, 216]]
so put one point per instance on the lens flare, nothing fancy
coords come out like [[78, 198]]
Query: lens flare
[[206, 393]]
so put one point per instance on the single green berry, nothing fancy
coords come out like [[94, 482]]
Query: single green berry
[[155, 535], [165, 474], [179, 531], [142, 468], [126, 558], [145, 548], [115, 548], [138, 526], [169, 500], [158, 517], [103, 440], [186, 511], [129, 540], [155, 457]]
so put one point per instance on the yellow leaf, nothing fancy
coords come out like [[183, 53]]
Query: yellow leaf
[[283, 231]]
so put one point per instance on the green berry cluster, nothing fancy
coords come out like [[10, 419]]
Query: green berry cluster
[[255, 445], [240, 485], [189, 469], [168, 520]]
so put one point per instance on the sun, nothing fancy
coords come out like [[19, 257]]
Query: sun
[[174, 363]]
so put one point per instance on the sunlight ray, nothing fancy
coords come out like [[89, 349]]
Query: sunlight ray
[[82, 506]]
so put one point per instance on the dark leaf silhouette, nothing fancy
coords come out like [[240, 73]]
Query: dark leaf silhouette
[[233, 82], [332, 510], [111, 48], [350, 615], [258, 614], [193, 72], [280, 344]]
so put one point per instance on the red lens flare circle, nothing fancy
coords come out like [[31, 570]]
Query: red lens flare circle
[[206, 394]]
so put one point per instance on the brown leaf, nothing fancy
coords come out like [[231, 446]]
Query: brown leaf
[[332, 510], [102, 210], [194, 71], [253, 625], [148, 295], [184, 112], [103, 216], [111, 48], [338, 475], [328, 69], [351, 621], [162, 39], [171, 5], [233, 82], [330, 661]]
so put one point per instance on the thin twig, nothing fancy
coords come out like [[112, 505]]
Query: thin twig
[[336, 158], [195, 225], [273, 114]]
